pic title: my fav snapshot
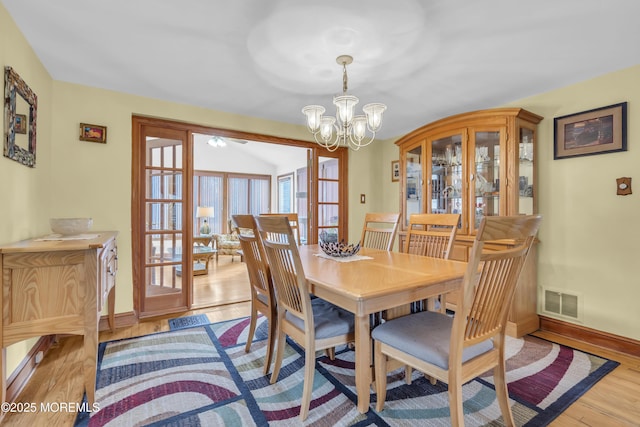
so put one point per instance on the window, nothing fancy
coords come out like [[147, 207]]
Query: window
[[285, 193], [245, 194]]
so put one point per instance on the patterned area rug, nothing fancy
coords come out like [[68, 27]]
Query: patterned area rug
[[201, 376]]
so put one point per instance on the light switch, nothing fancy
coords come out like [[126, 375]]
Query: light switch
[[362, 198]]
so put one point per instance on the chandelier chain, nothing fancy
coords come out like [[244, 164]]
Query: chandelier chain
[[345, 79]]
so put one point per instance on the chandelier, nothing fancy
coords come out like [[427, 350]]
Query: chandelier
[[350, 130]]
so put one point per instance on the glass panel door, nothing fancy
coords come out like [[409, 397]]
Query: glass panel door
[[447, 175], [526, 170], [166, 271], [328, 199], [413, 198], [485, 185]]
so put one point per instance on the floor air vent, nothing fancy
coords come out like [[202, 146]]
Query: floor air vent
[[561, 303]]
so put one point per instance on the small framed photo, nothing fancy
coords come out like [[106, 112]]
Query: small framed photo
[[395, 170], [93, 133], [597, 131], [20, 125]]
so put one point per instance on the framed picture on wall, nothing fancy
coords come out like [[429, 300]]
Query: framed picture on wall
[[597, 131], [93, 133], [395, 170]]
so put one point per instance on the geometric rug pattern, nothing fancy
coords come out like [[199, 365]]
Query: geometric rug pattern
[[201, 376]]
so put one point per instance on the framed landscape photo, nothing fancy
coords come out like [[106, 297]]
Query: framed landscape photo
[[93, 133], [395, 170], [598, 131]]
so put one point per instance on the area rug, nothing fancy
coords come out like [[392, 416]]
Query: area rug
[[201, 376]]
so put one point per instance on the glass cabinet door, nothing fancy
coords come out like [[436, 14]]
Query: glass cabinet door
[[447, 175], [525, 170], [485, 182], [413, 183]]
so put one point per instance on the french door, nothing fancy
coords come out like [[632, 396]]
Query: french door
[[162, 220], [163, 206]]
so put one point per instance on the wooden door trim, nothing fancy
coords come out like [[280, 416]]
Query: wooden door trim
[[137, 191]]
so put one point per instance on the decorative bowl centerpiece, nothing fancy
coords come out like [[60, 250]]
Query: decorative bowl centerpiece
[[340, 249], [70, 226]]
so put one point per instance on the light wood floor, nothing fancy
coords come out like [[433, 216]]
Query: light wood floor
[[226, 283], [614, 401]]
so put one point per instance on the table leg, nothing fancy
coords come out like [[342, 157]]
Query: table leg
[[363, 362]]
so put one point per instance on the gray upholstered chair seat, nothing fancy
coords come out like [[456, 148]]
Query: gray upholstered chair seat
[[263, 298], [425, 335], [329, 320]]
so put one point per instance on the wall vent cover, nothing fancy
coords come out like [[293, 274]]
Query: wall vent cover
[[561, 303]]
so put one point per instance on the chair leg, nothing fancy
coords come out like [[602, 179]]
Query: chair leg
[[381, 376], [271, 335], [279, 356], [408, 370], [455, 400], [252, 327], [502, 393], [330, 353], [309, 370]]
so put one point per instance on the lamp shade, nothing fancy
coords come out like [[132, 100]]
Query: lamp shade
[[204, 212]]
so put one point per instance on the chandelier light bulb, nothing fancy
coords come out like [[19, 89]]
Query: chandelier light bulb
[[350, 130]]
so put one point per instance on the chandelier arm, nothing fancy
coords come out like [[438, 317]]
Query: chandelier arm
[[329, 145], [356, 145]]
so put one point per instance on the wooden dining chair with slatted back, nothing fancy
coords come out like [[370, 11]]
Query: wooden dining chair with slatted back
[[432, 235], [315, 324], [379, 230], [427, 235], [263, 299], [456, 350], [293, 222]]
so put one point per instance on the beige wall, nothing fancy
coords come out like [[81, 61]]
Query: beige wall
[[25, 192], [590, 237]]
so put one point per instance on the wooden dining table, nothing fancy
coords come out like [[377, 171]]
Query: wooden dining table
[[365, 286]]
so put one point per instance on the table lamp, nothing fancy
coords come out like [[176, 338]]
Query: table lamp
[[204, 212]]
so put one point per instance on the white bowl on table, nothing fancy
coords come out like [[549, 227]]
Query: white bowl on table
[[70, 226]]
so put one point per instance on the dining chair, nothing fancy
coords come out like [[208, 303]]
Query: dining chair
[[293, 221], [431, 235], [314, 324], [263, 298], [455, 350], [379, 230]]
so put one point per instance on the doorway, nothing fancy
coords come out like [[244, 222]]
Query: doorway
[[164, 222]]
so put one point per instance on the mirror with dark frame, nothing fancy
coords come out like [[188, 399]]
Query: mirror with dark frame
[[20, 119]]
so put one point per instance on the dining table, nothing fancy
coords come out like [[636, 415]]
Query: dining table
[[372, 281]]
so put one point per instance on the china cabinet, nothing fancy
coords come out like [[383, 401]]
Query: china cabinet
[[475, 164]]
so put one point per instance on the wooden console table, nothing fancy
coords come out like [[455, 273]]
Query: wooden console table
[[58, 287]]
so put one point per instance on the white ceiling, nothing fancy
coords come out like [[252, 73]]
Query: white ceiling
[[425, 59]]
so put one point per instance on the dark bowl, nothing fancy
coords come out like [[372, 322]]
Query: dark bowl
[[341, 249]]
